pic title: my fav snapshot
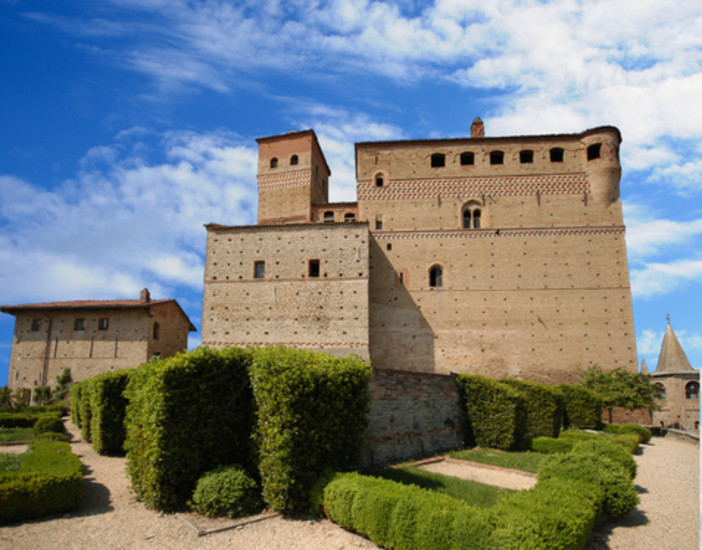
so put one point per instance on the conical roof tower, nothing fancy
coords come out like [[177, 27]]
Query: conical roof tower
[[644, 367], [672, 357]]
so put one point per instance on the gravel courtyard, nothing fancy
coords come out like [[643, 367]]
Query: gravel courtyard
[[110, 518]]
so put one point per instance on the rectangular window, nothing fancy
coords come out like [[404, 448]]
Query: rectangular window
[[313, 268], [379, 222], [79, 324], [259, 270], [157, 331], [36, 325], [103, 324]]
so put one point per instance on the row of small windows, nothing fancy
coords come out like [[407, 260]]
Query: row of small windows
[[102, 324], [692, 390], [472, 215], [329, 216], [526, 156], [260, 269], [294, 159]]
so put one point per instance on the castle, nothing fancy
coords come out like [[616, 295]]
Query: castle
[[502, 256]]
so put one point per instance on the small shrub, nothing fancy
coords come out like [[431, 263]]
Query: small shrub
[[609, 449], [582, 407], [628, 441], [620, 495], [642, 432], [496, 412], [550, 445], [48, 423], [227, 491]]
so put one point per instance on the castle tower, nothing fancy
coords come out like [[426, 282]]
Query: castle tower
[[603, 167], [293, 175]]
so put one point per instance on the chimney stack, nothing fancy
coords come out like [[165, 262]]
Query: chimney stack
[[145, 296], [477, 129]]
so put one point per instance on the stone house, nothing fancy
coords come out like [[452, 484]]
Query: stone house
[[91, 336], [678, 386], [502, 256]]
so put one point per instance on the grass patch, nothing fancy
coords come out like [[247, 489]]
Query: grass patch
[[525, 461], [469, 492], [16, 434]]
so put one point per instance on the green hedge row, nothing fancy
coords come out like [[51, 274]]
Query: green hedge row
[[496, 412], [312, 411], [186, 415], [544, 407], [108, 411], [556, 514], [49, 480], [643, 433], [583, 407]]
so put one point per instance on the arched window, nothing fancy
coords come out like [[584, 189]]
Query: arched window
[[497, 157], [438, 160], [436, 277], [379, 180], [526, 156], [467, 158], [692, 390], [659, 390], [471, 215], [294, 160], [329, 216], [274, 162], [557, 154], [349, 217], [594, 151]]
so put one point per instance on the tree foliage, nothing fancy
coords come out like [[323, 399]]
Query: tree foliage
[[620, 387]]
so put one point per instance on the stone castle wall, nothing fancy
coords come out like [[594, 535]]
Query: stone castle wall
[[412, 415], [287, 305]]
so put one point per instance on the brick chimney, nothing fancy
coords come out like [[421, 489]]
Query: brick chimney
[[477, 130], [145, 296]]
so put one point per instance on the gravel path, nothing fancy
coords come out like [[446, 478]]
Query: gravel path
[[110, 517]]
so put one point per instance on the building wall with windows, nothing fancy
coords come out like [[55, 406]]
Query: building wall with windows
[[302, 285], [90, 337], [500, 256]]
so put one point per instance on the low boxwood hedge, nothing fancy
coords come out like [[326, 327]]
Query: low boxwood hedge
[[21, 419], [48, 423], [551, 445], [610, 449], [643, 433], [496, 412], [49, 480]]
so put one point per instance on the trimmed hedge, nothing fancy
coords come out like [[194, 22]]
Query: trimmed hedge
[[620, 495], [48, 423], [496, 412], [108, 411], [610, 449], [227, 491], [312, 412], [76, 390], [48, 481], [544, 407], [187, 415], [583, 407], [551, 445], [643, 433], [21, 420]]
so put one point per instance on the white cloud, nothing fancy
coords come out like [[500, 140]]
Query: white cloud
[[647, 236], [662, 278], [123, 222]]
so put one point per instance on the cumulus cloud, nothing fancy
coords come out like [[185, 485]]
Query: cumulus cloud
[[124, 222], [657, 278]]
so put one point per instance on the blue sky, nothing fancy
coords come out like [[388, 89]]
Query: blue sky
[[128, 124]]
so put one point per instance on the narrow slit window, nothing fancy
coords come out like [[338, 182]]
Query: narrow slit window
[[594, 151], [436, 277], [36, 325], [260, 270], [497, 157], [379, 223], [467, 158], [438, 160], [156, 331], [313, 268], [476, 218], [103, 324], [557, 154]]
